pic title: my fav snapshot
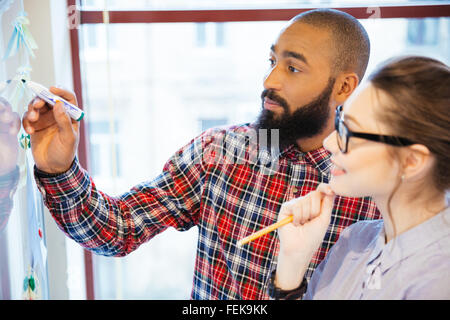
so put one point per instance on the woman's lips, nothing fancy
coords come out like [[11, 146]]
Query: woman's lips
[[337, 171]]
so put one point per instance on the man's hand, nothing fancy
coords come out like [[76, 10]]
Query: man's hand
[[54, 135]]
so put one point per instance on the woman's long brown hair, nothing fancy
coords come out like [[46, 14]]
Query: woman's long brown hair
[[418, 108]]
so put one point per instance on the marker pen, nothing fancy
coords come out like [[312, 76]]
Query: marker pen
[[43, 93]]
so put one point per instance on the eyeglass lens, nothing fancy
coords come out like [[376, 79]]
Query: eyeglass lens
[[341, 131]]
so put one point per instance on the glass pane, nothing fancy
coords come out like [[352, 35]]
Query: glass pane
[[23, 251], [394, 37], [230, 4], [160, 85]]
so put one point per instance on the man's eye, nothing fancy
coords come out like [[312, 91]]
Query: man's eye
[[292, 69], [272, 62]]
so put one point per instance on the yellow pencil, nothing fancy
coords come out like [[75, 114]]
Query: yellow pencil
[[265, 230]]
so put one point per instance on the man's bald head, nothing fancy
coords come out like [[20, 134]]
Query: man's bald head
[[351, 43]]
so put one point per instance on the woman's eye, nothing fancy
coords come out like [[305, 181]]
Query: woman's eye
[[272, 62]]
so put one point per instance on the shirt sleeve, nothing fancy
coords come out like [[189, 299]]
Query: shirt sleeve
[[315, 278], [115, 226], [336, 257]]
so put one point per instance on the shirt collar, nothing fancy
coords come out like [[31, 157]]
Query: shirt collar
[[411, 241], [318, 158]]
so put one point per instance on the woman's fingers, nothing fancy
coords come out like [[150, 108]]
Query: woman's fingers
[[312, 205], [326, 189]]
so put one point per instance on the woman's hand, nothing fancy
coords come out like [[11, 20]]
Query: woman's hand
[[300, 239]]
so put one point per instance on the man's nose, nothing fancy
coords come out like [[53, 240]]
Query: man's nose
[[272, 80]]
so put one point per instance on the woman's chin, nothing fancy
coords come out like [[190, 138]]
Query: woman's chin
[[344, 189]]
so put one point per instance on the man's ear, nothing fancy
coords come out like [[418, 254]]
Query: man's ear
[[345, 84], [416, 162]]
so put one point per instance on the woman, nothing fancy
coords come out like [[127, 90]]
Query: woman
[[392, 142]]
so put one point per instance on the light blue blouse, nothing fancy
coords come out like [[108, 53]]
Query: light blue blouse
[[414, 265]]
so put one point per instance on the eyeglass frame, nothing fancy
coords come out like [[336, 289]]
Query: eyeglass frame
[[391, 140]]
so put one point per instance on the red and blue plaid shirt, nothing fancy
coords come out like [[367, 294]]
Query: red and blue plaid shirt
[[215, 183]]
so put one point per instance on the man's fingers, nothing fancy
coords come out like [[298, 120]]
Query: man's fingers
[[36, 104], [35, 108], [33, 116], [38, 116], [61, 117], [64, 122], [65, 94], [26, 124]]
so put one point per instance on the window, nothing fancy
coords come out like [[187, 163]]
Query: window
[[211, 123], [164, 90], [423, 32], [165, 83]]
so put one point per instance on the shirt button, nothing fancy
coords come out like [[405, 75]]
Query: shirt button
[[295, 190]]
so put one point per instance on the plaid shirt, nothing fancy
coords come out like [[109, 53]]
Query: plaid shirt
[[216, 183]]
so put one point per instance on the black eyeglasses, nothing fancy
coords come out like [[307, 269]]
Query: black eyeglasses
[[344, 134]]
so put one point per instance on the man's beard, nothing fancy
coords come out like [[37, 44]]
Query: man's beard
[[305, 122]]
